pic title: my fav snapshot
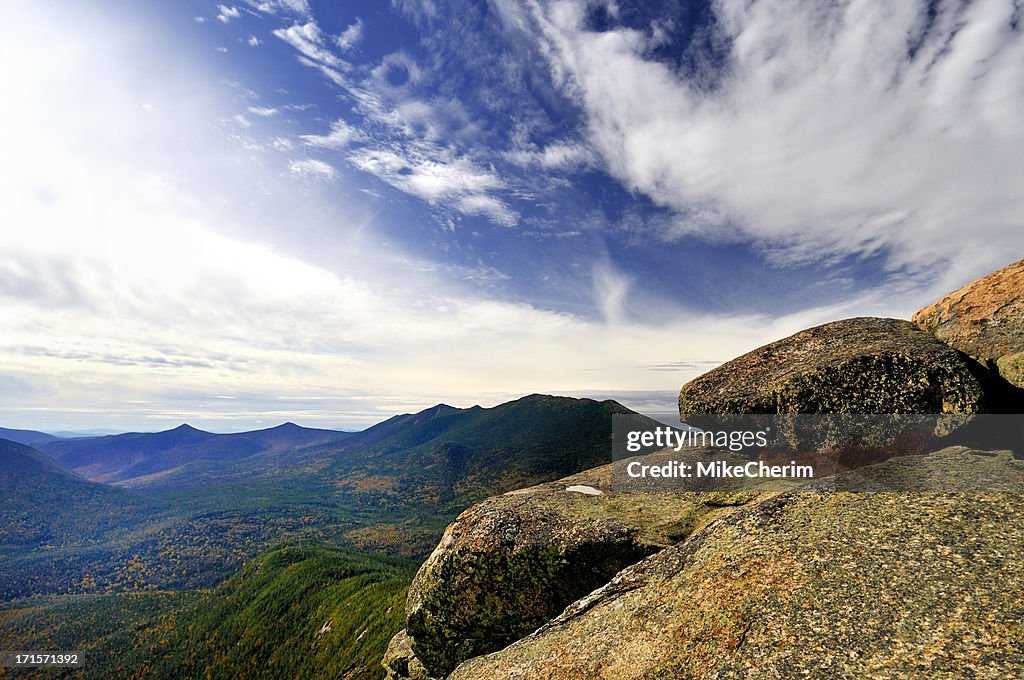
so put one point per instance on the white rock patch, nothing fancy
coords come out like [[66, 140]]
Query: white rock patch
[[580, 488]]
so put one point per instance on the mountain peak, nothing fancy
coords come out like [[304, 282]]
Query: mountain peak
[[288, 427]]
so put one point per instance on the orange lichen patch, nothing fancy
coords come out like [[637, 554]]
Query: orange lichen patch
[[985, 318]]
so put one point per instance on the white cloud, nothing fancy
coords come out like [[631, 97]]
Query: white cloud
[[821, 134], [313, 168], [498, 211], [253, 41], [416, 8], [282, 144], [299, 7], [570, 156], [611, 289], [399, 66], [341, 135], [263, 111], [309, 40], [454, 181], [411, 156], [225, 14], [350, 37], [314, 50]]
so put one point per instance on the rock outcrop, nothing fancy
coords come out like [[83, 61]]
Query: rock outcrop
[[400, 661], [861, 365], [511, 563], [984, 319], [800, 584]]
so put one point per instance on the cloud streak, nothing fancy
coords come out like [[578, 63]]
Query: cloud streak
[[408, 155], [350, 37], [340, 135], [851, 127]]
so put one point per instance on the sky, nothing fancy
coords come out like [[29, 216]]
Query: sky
[[240, 214]]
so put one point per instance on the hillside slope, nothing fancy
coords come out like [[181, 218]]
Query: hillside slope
[[448, 458], [306, 611], [44, 503], [27, 437], [297, 612]]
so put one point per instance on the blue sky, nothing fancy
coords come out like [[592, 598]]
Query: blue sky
[[241, 213]]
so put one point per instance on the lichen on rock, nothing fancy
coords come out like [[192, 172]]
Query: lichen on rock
[[860, 365]]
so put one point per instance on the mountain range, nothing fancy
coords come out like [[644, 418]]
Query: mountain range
[[190, 506], [135, 459]]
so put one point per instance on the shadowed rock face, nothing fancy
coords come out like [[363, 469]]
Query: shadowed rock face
[[861, 365], [400, 662], [812, 584], [984, 319]]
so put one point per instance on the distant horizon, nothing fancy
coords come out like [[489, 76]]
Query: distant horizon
[[646, 407]]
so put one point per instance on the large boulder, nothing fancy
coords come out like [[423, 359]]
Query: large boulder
[[861, 365], [512, 562], [984, 319], [813, 584]]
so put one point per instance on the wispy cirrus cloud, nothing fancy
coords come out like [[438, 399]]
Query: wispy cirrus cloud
[[451, 180], [406, 153], [350, 37], [340, 135], [263, 111], [851, 127], [286, 7], [567, 156], [311, 42], [312, 167]]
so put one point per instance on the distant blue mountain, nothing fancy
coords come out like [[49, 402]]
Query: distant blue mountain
[[78, 434], [26, 437], [142, 457]]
